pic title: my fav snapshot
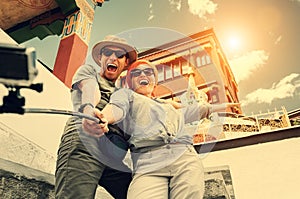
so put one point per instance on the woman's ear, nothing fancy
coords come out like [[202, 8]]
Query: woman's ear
[[153, 92]]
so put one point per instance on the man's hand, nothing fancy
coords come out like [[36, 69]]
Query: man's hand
[[92, 128], [104, 123]]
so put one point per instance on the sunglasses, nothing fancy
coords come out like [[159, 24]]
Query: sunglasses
[[119, 53], [138, 72]]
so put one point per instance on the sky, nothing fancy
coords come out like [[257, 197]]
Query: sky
[[260, 39]]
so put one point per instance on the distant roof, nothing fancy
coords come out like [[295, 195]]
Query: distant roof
[[24, 20], [294, 113], [271, 136]]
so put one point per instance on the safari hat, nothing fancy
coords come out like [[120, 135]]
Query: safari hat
[[112, 40]]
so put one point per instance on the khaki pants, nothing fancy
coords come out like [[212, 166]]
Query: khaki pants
[[183, 179], [78, 173]]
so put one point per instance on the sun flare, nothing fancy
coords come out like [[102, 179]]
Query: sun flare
[[234, 43]]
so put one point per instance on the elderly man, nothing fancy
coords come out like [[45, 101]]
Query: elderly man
[[84, 161]]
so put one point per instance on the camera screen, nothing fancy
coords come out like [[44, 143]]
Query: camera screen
[[13, 66]]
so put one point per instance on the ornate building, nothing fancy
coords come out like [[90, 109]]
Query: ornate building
[[194, 68]]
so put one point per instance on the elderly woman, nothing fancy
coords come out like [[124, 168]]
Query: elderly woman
[[165, 164]]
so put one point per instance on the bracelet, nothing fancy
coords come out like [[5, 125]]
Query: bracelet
[[82, 106]]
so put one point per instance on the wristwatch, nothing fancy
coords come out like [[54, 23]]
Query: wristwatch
[[82, 106]]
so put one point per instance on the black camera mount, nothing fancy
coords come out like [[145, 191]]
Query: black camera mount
[[14, 102]]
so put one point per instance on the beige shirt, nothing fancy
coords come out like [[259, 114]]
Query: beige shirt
[[152, 123]]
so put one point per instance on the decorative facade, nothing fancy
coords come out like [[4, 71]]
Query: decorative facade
[[194, 68]]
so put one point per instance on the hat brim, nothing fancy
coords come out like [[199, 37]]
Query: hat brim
[[132, 55]]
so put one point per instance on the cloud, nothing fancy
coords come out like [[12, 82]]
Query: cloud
[[175, 4], [202, 7], [278, 39], [243, 66], [285, 88], [151, 15]]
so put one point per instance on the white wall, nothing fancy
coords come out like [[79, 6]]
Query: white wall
[[43, 129], [262, 171]]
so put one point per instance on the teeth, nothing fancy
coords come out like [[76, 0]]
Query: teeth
[[111, 67], [144, 82]]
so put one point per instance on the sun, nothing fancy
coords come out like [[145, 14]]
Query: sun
[[234, 43]]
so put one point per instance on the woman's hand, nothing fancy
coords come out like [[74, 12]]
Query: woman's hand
[[219, 107]]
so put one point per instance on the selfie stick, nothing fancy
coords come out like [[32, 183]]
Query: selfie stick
[[63, 112]]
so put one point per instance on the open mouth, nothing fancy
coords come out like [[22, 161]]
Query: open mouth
[[144, 82], [111, 67]]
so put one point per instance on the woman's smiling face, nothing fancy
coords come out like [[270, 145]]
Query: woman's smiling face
[[143, 79]]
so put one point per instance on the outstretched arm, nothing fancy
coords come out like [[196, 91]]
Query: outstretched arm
[[111, 113], [90, 97], [196, 112], [219, 107]]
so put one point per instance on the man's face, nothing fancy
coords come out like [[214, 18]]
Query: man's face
[[143, 79], [113, 60]]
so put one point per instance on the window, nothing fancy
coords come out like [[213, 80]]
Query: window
[[208, 60], [185, 67], [161, 74], [176, 68], [214, 98], [198, 61], [203, 60], [168, 71]]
